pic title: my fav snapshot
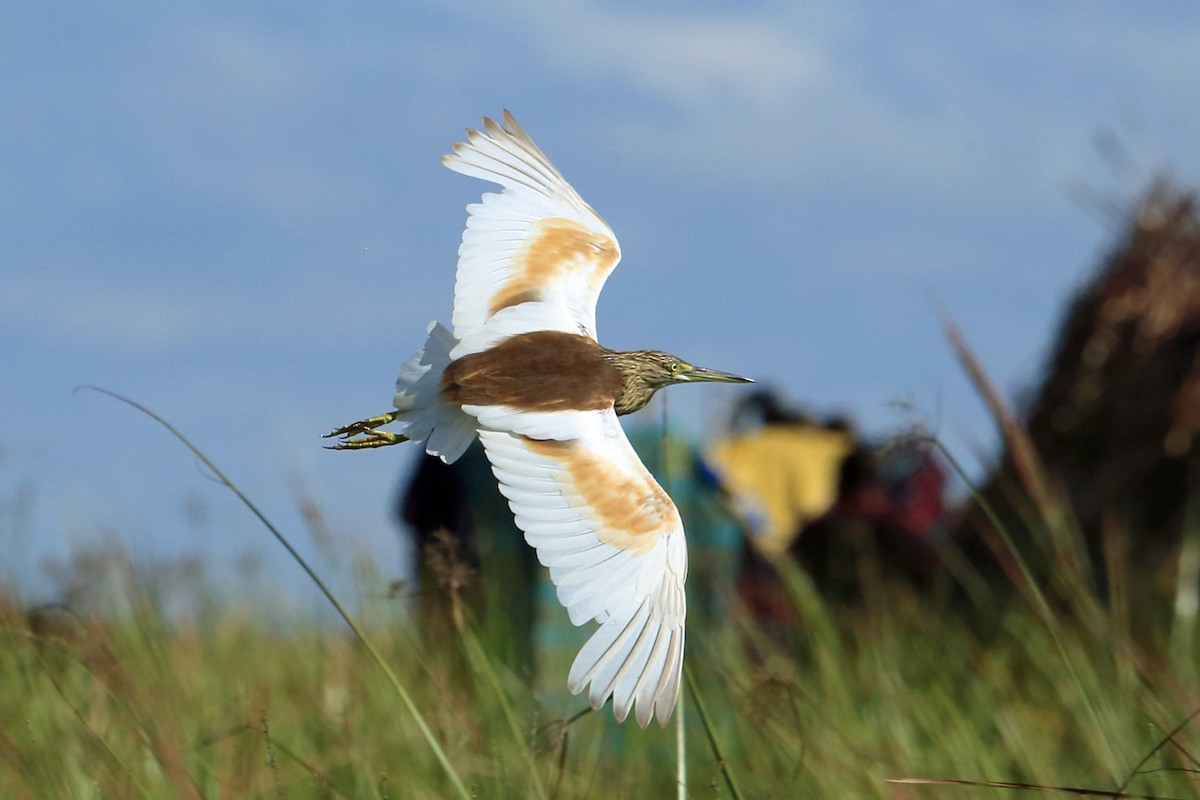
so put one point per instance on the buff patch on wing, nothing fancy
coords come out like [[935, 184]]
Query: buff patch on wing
[[627, 506], [556, 248]]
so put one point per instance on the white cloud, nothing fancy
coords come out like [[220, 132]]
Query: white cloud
[[762, 95], [776, 95], [687, 61]]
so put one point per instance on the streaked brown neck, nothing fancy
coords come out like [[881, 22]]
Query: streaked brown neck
[[635, 391]]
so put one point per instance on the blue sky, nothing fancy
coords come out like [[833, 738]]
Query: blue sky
[[236, 214]]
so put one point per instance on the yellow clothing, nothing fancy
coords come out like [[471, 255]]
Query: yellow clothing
[[781, 477]]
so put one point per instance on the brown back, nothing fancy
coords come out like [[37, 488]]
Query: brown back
[[542, 371]]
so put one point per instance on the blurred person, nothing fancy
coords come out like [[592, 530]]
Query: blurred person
[[471, 558], [889, 513], [780, 472]]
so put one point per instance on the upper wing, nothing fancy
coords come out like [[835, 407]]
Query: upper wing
[[613, 541], [537, 242]]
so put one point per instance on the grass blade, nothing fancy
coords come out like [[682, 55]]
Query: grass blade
[[718, 753], [401, 692]]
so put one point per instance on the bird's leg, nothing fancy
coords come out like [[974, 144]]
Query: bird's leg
[[363, 434]]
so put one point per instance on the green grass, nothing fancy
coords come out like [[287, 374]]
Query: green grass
[[124, 702], [131, 706]]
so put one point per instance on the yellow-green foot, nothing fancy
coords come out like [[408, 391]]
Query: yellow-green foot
[[362, 434]]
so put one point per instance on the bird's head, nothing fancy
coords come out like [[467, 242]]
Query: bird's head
[[647, 371], [659, 369]]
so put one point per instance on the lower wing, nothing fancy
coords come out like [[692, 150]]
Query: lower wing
[[614, 543]]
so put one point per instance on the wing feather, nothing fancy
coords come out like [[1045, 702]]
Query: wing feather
[[535, 242], [631, 674], [647, 682], [582, 566], [563, 533], [614, 543], [618, 656]]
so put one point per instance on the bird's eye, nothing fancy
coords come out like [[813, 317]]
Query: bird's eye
[[673, 366]]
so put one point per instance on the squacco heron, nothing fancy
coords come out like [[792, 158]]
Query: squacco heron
[[523, 371]]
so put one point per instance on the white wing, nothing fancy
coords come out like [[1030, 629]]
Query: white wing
[[537, 245], [613, 541]]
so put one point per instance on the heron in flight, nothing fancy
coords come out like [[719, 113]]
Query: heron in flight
[[522, 370]]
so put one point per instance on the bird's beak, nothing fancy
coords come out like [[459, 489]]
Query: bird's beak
[[700, 374]]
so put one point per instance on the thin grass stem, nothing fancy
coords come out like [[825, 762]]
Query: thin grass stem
[[487, 673], [718, 752], [1170, 737], [680, 738], [108, 748], [1043, 607], [401, 692]]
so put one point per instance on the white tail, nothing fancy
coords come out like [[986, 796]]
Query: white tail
[[445, 429]]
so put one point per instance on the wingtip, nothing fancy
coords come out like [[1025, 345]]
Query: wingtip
[[662, 711], [621, 711], [474, 135], [455, 156], [507, 127], [643, 714], [516, 131], [492, 127]]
